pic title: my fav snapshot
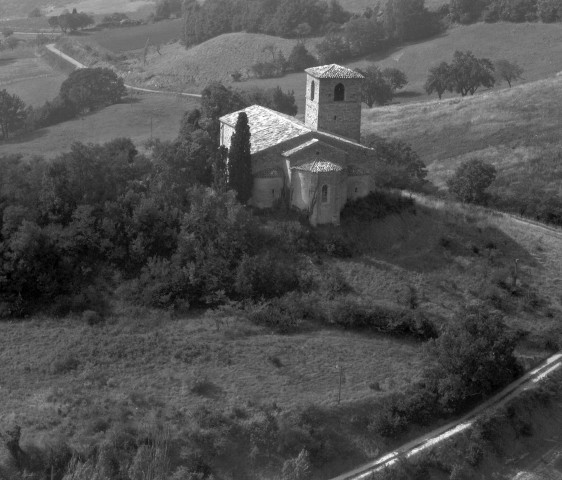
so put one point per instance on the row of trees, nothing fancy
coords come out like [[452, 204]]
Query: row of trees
[[468, 11], [467, 73]]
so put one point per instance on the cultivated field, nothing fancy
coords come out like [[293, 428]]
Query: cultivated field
[[130, 119], [27, 75]]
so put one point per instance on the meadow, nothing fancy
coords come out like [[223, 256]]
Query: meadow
[[26, 74], [517, 130], [135, 118]]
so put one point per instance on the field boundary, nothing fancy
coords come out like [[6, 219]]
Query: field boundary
[[51, 47]]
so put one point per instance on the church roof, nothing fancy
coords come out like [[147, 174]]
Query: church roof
[[319, 166], [300, 147], [333, 71], [267, 127]]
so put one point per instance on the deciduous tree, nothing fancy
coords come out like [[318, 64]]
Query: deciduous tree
[[375, 88], [395, 77], [508, 71], [12, 113], [468, 73], [439, 80], [470, 181]]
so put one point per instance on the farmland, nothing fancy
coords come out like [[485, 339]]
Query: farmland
[[130, 119], [27, 75]]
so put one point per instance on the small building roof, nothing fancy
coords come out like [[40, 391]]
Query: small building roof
[[333, 71], [267, 127], [319, 166]]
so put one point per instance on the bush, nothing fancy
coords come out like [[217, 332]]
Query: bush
[[277, 314], [376, 205], [267, 275]]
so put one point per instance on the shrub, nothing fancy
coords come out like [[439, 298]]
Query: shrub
[[275, 314], [376, 205], [266, 276]]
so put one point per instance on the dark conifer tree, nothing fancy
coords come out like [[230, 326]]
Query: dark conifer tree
[[240, 160]]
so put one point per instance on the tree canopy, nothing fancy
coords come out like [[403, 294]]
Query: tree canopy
[[470, 181], [12, 113], [507, 71], [90, 88], [376, 88]]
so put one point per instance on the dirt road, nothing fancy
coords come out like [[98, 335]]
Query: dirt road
[[437, 436]]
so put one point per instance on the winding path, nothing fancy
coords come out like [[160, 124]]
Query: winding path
[[429, 440], [51, 47]]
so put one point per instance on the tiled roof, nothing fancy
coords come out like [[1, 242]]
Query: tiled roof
[[355, 171], [333, 71], [267, 127], [297, 149], [319, 166], [269, 173]]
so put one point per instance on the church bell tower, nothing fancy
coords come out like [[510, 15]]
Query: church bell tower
[[333, 101]]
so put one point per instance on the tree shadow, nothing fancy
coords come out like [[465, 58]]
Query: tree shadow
[[408, 94]]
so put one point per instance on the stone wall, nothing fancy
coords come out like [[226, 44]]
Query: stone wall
[[266, 191]]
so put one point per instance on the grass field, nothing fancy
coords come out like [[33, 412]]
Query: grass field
[[27, 75], [131, 119], [517, 129]]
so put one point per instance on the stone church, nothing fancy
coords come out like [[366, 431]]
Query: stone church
[[319, 163]]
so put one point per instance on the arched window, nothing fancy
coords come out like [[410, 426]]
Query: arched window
[[324, 193], [312, 90], [339, 93]]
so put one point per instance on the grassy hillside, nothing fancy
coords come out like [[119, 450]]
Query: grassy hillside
[[212, 60], [517, 129], [536, 47], [64, 377], [131, 119]]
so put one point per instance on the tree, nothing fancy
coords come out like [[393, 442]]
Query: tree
[[240, 177], [363, 34], [468, 73], [12, 113], [470, 181], [300, 58], [439, 79], [333, 48], [7, 32], [466, 11], [35, 13], [549, 10], [397, 165], [90, 88], [395, 77], [508, 71], [472, 358], [375, 87], [406, 20], [53, 22]]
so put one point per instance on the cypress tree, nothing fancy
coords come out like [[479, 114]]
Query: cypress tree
[[240, 177]]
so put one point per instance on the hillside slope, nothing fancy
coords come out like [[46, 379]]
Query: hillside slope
[[517, 129], [213, 60]]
